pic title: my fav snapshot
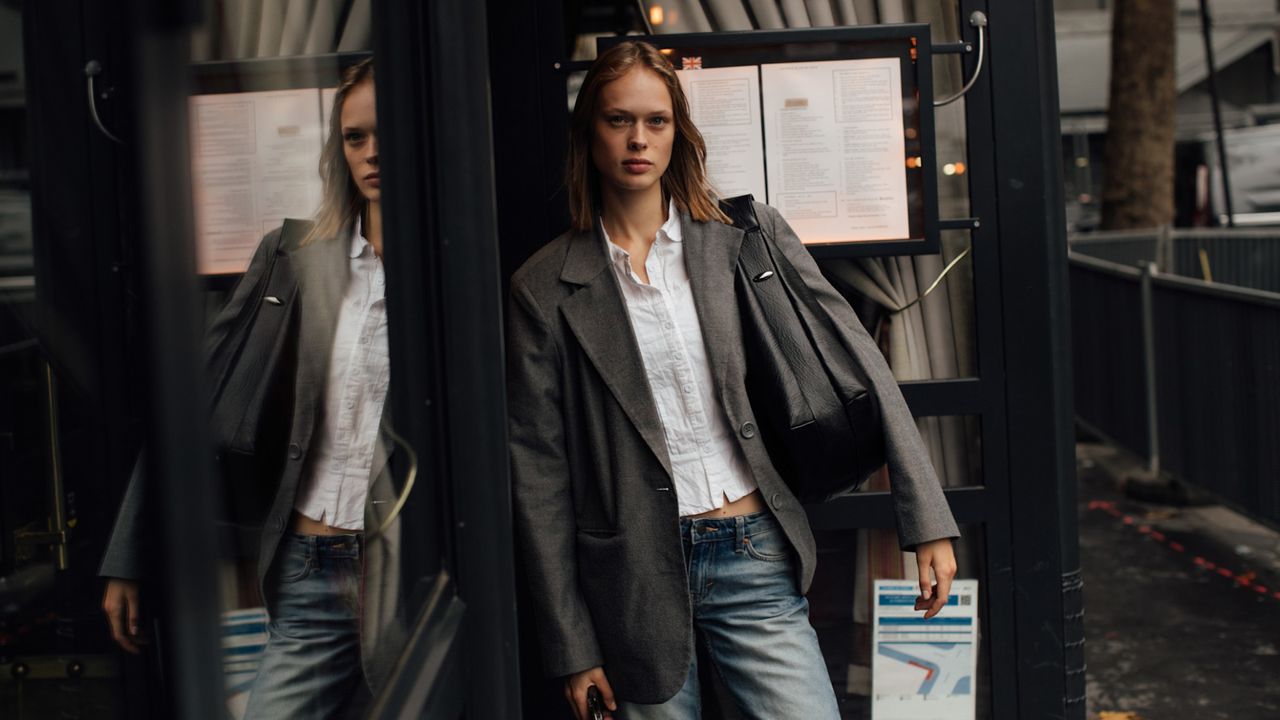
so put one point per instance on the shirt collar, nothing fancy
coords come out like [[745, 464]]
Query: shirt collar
[[359, 245], [670, 229]]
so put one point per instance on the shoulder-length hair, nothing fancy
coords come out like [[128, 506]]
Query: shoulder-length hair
[[341, 201], [685, 180]]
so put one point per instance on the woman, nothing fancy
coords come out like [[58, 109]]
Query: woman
[[313, 555], [648, 508]]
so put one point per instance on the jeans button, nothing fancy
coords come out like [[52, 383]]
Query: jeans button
[[748, 430], [295, 451]]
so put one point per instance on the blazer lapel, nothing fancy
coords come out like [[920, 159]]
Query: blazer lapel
[[711, 258], [323, 271], [595, 314]]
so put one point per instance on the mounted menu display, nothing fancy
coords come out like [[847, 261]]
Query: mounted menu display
[[826, 125], [257, 128]]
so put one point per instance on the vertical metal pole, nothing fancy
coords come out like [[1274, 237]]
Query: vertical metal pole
[[1206, 27], [180, 496], [1149, 367]]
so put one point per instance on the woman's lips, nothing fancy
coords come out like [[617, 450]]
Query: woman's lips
[[637, 167], [373, 179]]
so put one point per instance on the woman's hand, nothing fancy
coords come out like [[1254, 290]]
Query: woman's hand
[[575, 691], [122, 606], [941, 557]]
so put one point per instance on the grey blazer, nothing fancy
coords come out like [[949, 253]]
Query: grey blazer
[[323, 272], [595, 507]]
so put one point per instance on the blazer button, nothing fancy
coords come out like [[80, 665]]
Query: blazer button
[[278, 522], [295, 451], [776, 501], [748, 430]]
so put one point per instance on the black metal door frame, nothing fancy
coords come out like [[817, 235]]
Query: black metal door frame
[[444, 301]]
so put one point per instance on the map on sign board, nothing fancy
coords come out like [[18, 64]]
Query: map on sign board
[[924, 669]]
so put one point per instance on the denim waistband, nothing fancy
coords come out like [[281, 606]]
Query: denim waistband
[[330, 545], [700, 530]]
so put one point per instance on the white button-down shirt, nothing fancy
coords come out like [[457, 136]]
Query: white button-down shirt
[[334, 489], [706, 461]]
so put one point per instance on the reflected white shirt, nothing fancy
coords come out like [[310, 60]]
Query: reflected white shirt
[[707, 463], [334, 488]]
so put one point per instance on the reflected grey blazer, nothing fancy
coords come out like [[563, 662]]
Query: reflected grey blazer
[[323, 271], [596, 511]]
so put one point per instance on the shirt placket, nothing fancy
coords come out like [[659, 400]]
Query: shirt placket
[[697, 428]]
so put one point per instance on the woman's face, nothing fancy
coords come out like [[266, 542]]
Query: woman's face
[[360, 140], [633, 132]]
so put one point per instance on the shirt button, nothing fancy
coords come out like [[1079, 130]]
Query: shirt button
[[351, 404], [748, 430], [295, 451], [688, 388]]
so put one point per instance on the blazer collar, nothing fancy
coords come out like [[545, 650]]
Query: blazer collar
[[597, 311]]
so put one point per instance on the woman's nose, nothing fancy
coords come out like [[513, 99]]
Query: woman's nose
[[371, 155], [637, 141]]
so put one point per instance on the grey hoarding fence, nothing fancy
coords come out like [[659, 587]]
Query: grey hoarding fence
[[1248, 258], [1186, 374]]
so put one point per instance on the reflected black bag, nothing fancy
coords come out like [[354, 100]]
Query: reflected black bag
[[819, 422], [252, 370]]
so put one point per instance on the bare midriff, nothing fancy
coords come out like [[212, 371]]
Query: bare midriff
[[745, 505], [304, 525]]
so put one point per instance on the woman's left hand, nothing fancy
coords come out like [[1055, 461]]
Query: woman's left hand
[[939, 556]]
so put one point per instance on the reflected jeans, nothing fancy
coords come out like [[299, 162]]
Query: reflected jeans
[[311, 665], [754, 622]]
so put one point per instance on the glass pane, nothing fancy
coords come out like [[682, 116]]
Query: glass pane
[[284, 143], [841, 609], [955, 451]]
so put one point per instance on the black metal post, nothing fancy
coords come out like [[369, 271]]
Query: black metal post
[[1206, 30], [1036, 311], [180, 489]]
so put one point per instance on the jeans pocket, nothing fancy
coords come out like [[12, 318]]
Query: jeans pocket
[[295, 563], [769, 546]]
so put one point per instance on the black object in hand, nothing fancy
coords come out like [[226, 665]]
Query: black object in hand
[[595, 704]]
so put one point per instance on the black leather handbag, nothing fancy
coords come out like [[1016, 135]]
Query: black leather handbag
[[252, 370], [819, 422]]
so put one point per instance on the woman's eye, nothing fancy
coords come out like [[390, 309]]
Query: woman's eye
[[617, 120], [353, 137], [658, 121]]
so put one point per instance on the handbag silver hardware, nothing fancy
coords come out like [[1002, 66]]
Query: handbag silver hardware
[[272, 299], [763, 276]]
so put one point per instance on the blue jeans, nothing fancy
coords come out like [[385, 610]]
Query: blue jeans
[[311, 665], [754, 622]]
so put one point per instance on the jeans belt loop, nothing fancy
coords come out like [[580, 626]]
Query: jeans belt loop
[[739, 533]]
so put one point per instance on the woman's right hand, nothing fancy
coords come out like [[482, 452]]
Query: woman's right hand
[[575, 691], [120, 603]]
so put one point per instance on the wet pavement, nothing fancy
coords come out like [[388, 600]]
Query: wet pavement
[[1182, 603]]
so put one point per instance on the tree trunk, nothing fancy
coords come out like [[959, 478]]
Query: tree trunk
[[1138, 173]]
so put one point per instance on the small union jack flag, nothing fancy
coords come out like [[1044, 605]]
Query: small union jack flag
[[691, 63]]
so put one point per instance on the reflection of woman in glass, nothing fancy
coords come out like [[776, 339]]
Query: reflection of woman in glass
[[649, 511], [312, 549]]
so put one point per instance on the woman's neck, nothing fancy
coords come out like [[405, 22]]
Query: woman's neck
[[633, 219], [373, 226]]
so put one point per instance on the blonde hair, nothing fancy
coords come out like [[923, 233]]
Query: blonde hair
[[341, 201], [685, 180]]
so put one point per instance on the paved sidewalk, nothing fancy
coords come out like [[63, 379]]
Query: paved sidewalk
[[1182, 604]]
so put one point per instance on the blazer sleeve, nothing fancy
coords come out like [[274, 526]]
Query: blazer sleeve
[[124, 554], [543, 501], [919, 504]]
